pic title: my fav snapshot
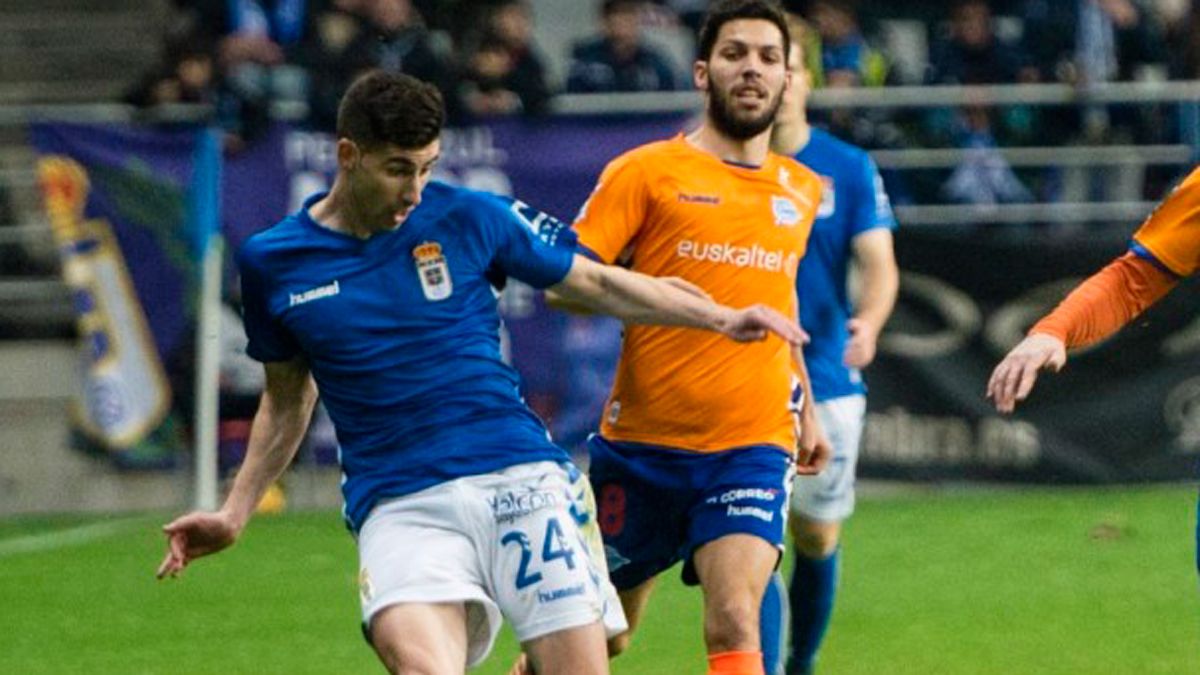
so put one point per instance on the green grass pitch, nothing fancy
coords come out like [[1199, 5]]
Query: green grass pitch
[[974, 581]]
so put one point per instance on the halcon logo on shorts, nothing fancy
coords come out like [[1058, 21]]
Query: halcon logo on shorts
[[726, 253], [509, 506], [561, 593]]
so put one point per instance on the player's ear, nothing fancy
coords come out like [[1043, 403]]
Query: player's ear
[[700, 75], [348, 154]]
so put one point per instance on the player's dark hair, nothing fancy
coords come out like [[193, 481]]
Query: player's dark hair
[[725, 11], [390, 108]]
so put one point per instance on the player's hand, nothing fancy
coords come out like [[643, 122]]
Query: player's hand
[[1014, 377], [813, 448], [860, 349], [194, 535], [753, 323]]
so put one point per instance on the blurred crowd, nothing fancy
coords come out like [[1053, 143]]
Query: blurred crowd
[[245, 56]]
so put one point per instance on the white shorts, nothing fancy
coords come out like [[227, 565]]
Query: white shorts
[[522, 542], [829, 496]]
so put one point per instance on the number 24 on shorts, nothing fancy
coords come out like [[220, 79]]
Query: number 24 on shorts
[[555, 546]]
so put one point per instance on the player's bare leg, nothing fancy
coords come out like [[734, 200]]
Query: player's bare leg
[[569, 652], [633, 601], [733, 572], [429, 639], [814, 539]]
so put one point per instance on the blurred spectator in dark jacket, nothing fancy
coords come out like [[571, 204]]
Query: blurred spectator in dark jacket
[[847, 60], [972, 53], [618, 59], [1185, 45], [188, 75], [1090, 41], [347, 37], [503, 73]]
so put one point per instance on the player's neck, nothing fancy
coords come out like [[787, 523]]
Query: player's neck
[[338, 211], [750, 151], [789, 138]]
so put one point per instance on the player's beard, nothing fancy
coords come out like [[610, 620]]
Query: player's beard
[[723, 113]]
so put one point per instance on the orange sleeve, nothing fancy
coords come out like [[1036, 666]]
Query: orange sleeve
[[612, 216], [1106, 301], [1172, 233]]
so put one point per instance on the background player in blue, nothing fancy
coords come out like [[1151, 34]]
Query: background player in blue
[[380, 295], [854, 222]]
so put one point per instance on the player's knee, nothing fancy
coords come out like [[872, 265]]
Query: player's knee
[[816, 543], [731, 626]]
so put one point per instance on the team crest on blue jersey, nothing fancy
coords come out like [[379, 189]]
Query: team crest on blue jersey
[[433, 271], [786, 213]]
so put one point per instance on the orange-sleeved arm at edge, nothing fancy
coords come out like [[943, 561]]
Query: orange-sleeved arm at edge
[[1106, 301]]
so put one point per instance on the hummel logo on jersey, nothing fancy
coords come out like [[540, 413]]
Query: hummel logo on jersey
[[327, 291], [699, 199], [433, 271]]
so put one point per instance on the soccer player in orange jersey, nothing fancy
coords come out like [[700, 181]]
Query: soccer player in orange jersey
[[695, 452], [1164, 251]]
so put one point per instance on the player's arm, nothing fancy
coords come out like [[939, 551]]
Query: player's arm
[[637, 298], [875, 256], [813, 449], [279, 426], [1096, 309]]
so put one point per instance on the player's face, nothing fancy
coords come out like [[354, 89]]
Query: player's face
[[744, 78], [795, 97], [387, 181]]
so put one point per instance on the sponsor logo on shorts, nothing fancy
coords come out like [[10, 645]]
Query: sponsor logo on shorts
[[738, 494], [509, 506], [545, 597], [751, 511]]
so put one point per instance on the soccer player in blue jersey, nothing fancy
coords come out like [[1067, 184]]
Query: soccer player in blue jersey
[[854, 222], [380, 295]]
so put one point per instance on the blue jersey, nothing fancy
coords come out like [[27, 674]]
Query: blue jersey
[[852, 202], [401, 334]]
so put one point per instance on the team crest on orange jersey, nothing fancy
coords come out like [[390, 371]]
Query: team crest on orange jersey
[[433, 271], [786, 213]]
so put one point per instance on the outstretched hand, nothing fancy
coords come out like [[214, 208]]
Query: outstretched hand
[[194, 535], [755, 322], [1014, 377]]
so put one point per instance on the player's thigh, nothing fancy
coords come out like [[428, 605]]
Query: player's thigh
[[425, 638], [829, 496], [571, 651], [633, 601], [444, 569], [542, 571], [643, 505]]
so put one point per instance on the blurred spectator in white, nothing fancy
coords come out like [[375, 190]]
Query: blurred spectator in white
[[619, 59], [504, 73]]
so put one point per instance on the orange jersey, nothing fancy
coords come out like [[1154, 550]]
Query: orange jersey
[[669, 209], [1172, 233]]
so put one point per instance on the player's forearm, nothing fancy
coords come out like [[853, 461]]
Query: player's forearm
[[279, 426], [1106, 301], [877, 297], [637, 298]]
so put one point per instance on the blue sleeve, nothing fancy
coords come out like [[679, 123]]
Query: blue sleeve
[[531, 246], [872, 208], [268, 340]]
